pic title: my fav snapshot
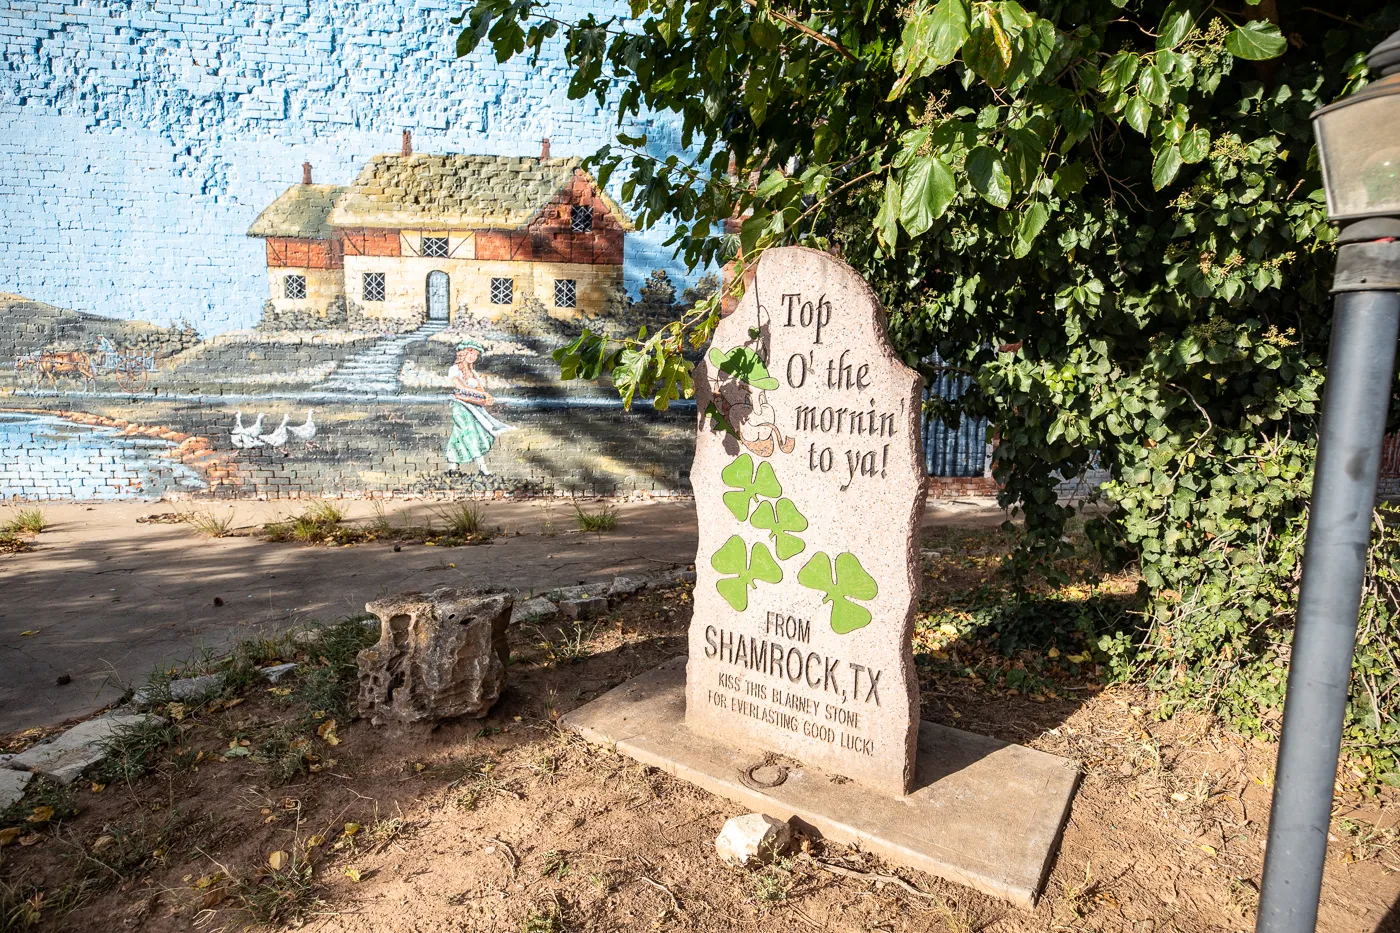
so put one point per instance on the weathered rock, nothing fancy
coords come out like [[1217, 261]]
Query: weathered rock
[[65, 757], [754, 837], [193, 689], [562, 593], [590, 607], [626, 586], [278, 671], [439, 655], [12, 785], [538, 609]]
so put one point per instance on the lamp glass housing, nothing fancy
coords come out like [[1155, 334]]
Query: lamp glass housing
[[1358, 143]]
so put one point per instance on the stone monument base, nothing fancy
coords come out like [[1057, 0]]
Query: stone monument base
[[985, 813]]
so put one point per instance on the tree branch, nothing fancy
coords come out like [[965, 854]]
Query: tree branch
[[808, 31]]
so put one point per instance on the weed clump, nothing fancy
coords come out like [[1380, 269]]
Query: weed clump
[[599, 520]]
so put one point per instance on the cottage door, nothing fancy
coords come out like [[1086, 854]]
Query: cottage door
[[438, 296]]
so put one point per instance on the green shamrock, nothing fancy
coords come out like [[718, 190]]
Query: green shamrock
[[780, 520], [851, 582], [733, 557], [747, 486]]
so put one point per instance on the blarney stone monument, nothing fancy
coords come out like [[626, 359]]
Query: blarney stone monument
[[798, 696]]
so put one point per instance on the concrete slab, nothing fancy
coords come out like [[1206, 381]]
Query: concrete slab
[[12, 785], [65, 757], [984, 813]]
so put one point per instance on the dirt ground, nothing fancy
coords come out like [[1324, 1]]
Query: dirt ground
[[510, 824]]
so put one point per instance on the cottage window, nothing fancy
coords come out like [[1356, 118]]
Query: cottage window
[[581, 218], [435, 247], [294, 286], [565, 293], [502, 291], [373, 289]]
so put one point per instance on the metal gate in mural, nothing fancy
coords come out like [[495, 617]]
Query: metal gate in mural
[[953, 451]]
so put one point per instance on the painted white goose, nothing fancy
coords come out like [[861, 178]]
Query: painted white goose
[[278, 437], [304, 432], [244, 437]]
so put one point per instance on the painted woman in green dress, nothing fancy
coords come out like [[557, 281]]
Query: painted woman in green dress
[[474, 429]]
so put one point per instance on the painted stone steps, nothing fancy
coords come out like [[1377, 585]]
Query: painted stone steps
[[376, 368]]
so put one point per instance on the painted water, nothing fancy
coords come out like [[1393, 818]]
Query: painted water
[[43, 457]]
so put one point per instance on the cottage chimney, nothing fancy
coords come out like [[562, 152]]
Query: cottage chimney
[[407, 143], [544, 148], [306, 173]]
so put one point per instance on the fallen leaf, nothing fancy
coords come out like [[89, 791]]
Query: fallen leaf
[[208, 880], [277, 860], [213, 898], [98, 788], [102, 842], [327, 732], [30, 840], [318, 714], [33, 631], [352, 828], [280, 691], [316, 840], [41, 815], [1180, 798], [230, 704], [8, 836], [352, 873], [237, 751], [1208, 850], [177, 711]]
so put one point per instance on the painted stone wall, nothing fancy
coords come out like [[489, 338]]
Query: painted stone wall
[[143, 137]]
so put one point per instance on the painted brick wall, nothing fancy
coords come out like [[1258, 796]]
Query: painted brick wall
[[141, 137]]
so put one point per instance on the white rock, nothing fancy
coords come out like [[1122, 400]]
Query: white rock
[[196, 688], [12, 785], [278, 671], [752, 837], [66, 757], [538, 609]]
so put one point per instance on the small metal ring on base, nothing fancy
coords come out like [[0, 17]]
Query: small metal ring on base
[[747, 778]]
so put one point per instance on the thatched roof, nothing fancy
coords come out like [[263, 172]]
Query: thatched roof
[[301, 212], [457, 192]]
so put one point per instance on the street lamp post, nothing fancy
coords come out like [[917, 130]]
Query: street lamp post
[[1358, 141]]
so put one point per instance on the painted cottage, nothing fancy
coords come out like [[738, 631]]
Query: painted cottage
[[442, 237]]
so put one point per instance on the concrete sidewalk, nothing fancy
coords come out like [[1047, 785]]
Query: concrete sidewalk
[[111, 598]]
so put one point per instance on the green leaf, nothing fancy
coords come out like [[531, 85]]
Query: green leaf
[[851, 581], [928, 189], [1165, 166], [744, 364], [734, 558], [988, 49], [1152, 85], [1118, 73], [887, 220], [988, 177], [1176, 24], [781, 520], [1195, 145], [1137, 114], [948, 30], [1070, 178], [1256, 40], [748, 485], [1032, 222]]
